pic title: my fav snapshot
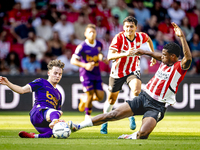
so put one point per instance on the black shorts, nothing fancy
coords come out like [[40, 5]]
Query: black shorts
[[115, 84], [147, 106]]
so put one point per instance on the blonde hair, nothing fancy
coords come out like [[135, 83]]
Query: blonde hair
[[93, 26], [56, 63]]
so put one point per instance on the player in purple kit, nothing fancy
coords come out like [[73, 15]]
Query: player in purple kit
[[87, 56], [47, 107]]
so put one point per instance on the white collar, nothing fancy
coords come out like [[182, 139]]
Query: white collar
[[92, 45]]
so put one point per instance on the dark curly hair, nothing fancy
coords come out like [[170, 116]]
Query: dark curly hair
[[173, 48], [130, 19]]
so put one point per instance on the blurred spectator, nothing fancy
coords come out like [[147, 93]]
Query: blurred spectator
[[141, 13], [75, 5], [158, 11], [2, 16], [106, 41], [55, 45], [65, 29], [79, 28], [115, 27], [35, 14], [44, 30], [60, 4], [44, 62], [121, 10], [18, 15], [193, 16], [100, 29], [187, 5], [167, 3], [159, 42], [186, 28], [3, 68], [167, 29], [151, 28], [69, 69], [13, 64], [4, 45], [176, 13], [35, 45], [148, 3], [42, 4], [52, 14], [195, 47], [20, 32], [25, 4], [30, 65], [194, 68], [105, 12]]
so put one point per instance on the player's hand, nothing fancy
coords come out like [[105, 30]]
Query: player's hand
[[177, 30], [89, 66], [3, 80], [138, 52], [153, 62]]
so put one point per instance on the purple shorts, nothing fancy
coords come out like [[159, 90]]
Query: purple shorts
[[91, 85]]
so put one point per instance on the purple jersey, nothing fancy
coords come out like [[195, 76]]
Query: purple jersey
[[87, 52], [45, 94]]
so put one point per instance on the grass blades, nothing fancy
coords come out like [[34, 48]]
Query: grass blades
[[176, 131]]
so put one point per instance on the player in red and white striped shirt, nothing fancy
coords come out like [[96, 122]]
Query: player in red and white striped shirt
[[125, 66], [160, 90]]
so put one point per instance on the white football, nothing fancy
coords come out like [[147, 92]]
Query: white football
[[61, 130]]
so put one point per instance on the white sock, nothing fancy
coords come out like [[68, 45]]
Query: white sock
[[134, 135], [87, 117], [86, 123], [107, 107], [36, 135]]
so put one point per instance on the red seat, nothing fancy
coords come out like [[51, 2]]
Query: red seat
[[193, 19], [19, 49]]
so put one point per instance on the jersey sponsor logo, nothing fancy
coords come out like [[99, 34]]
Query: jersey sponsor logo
[[162, 75], [92, 58]]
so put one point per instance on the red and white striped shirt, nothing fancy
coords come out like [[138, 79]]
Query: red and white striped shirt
[[124, 66], [164, 85]]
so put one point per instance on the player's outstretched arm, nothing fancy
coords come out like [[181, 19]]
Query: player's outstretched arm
[[113, 54], [155, 55], [187, 59], [14, 87], [150, 44]]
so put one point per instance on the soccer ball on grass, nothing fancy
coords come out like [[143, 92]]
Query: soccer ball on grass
[[61, 130]]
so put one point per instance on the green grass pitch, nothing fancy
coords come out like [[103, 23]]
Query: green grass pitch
[[177, 131]]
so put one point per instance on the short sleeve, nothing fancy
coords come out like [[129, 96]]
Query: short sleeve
[[36, 84], [116, 43]]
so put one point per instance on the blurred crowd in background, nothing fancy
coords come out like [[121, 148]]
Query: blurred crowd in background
[[33, 32]]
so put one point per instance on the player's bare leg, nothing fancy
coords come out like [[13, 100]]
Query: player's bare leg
[[135, 86], [148, 124], [98, 95], [121, 112], [88, 104], [108, 105]]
